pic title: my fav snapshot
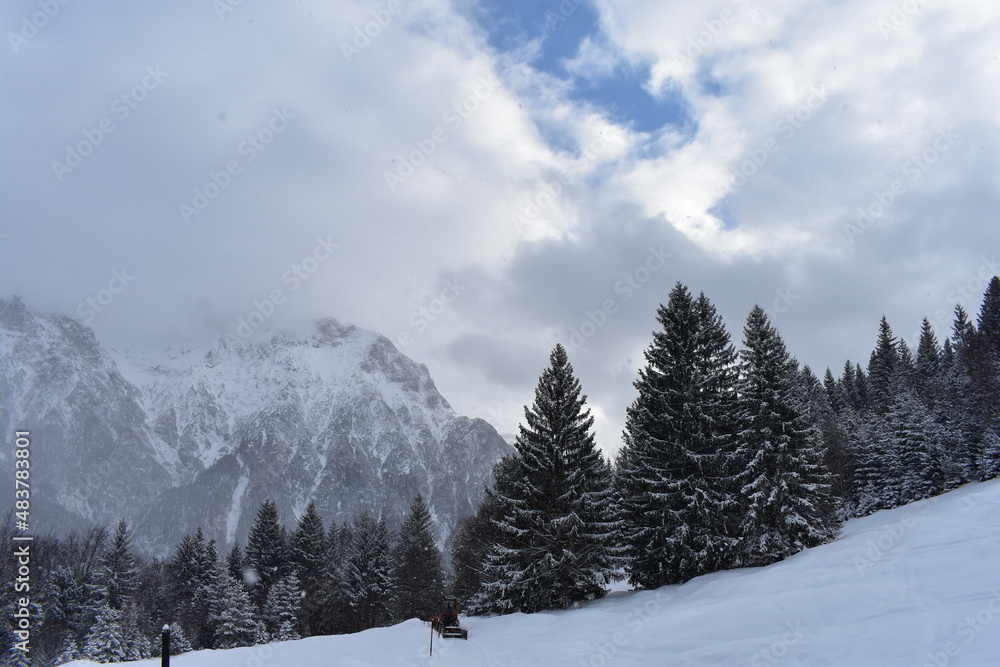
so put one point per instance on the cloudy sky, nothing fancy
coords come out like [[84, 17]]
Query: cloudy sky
[[480, 180]]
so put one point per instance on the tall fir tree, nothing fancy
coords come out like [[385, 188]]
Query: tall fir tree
[[118, 572], [309, 561], [417, 574], [282, 608], [928, 364], [367, 575], [784, 484], [882, 367], [673, 480], [106, 640], [557, 544], [235, 563], [189, 573], [234, 618], [266, 551]]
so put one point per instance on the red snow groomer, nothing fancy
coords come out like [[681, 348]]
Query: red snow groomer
[[446, 623]]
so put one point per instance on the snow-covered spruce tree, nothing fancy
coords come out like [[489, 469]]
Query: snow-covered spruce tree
[[267, 551], [106, 641], [673, 479], [178, 640], [784, 484], [913, 439], [189, 574], [282, 608], [557, 542], [118, 571], [69, 651], [417, 573], [334, 615], [233, 616], [882, 368], [367, 577], [309, 560], [988, 463], [234, 562]]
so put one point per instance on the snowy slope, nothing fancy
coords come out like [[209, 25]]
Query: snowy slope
[[918, 585]]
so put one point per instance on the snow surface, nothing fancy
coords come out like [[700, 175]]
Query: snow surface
[[917, 585]]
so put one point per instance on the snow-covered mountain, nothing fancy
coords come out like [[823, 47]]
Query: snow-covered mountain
[[916, 585], [200, 436]]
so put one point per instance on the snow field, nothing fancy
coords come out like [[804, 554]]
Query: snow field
[[918, 585]]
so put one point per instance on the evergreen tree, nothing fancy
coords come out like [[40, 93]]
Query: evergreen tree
[[178, 640], [913, 443], [281, 610], [928, 365], [834, 392], [267, 550], [368, 575], [235, 563], [309, 561], [988, 322], [105, 642], [137, 646], [335, 617], [70, 651], [233, 616], [988, 464], [882, 367], [557, 543], [418, 576], [784, 484], [189, 573], [673, 479], [118, 571]]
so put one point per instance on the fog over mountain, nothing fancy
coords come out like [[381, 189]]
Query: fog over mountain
[[199, 436]]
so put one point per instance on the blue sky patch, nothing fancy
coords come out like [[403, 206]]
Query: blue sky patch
[[552, 31]]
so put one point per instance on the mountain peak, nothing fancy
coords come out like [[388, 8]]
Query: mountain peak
[[204, 433]]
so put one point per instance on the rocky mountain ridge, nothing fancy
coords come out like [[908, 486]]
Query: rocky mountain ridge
[[201, 435]]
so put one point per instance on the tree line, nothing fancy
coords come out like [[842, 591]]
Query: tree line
[[729, 458], [97, 598]]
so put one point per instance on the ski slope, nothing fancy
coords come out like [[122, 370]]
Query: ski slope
[[917, 585]]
